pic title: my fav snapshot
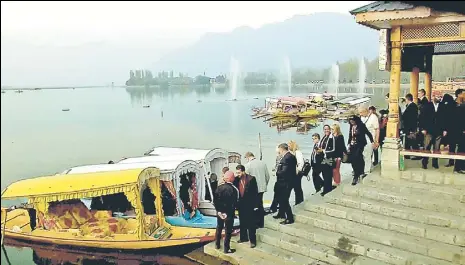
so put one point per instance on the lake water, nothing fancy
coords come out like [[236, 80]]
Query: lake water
[[38, 138]]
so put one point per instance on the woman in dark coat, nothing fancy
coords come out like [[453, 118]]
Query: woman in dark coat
[[357, 142]]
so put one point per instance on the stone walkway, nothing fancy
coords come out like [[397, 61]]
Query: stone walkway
[[416, 220]]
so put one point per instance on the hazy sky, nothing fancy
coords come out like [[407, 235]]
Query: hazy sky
[[95, 17], [56, 43]]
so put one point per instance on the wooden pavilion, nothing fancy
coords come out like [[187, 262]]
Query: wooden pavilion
[[411, 33]]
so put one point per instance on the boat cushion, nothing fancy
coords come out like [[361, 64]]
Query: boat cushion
[[103, 228], [67, 221], [81, 214]]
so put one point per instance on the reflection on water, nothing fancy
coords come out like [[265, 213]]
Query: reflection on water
[[104, 124], [42, 255]]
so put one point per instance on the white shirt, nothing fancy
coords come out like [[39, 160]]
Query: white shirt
[[300, 160], [436, 105], [372, 123]]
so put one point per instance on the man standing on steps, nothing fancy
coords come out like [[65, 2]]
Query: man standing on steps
[[248, 205], [226, 198], [285, 174], [259, 170]]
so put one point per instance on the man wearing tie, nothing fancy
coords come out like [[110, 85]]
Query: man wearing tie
[[285, 174]]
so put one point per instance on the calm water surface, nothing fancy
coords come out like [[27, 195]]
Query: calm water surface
[[38, 138]]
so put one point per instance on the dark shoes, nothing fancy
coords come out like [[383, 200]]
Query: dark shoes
[[279, 217], [459, 171], [242, 241], [253, 245], [217, 246], [229, 251], [287, 222], [355, 181]]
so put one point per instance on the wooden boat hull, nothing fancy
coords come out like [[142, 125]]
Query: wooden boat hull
[[18, 228], [49, 254]]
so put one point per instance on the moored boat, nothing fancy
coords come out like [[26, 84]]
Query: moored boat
[[211, 160], [124, 214]]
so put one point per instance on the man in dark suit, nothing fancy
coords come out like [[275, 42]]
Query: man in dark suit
[[426, 127], [410, 123], [315, 161], [226, 198], [285, 174], [248, 205], [460, 131], [422, 99]]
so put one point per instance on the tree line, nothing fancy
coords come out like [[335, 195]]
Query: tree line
[[444, 66]]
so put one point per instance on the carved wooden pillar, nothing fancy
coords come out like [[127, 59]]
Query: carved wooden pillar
[[428, 75], [394, 86], [390, 152], [414, 78]]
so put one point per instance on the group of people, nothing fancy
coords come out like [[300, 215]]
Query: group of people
[[435, 125], [428, 125], [242, 190]]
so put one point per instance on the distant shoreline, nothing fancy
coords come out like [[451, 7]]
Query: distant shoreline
[[43, 88], [367, 85]]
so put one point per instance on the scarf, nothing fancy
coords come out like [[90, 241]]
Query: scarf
[[243, 181]]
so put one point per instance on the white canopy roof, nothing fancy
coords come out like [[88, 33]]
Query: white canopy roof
[[166, 167]]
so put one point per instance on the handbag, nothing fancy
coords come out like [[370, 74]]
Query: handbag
[[345, 158]]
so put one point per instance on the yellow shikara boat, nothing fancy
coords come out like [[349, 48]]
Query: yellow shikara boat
[[55, 212]]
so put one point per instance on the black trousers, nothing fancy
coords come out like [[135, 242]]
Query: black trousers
[[260, 214], [434, 142], [285, 209], [299, 193], [460, 164], [356, 159], [248, 224], [453, 141], [317, 180], [227, 224], [376, 156], [275, 203], [327, 171], [411, 141]]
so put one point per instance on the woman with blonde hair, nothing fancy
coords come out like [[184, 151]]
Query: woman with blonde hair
[[299, 193], [340, 150]]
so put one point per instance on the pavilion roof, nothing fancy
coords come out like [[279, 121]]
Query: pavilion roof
[[381, 6]]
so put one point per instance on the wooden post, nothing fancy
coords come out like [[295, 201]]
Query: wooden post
[[394, 87], [390, 155], [414, 78], [428, 75]]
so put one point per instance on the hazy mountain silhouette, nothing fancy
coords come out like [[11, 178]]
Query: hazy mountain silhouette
[[316, 40]]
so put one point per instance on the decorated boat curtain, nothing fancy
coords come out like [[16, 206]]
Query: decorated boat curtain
[[133, 197], [169, 185]]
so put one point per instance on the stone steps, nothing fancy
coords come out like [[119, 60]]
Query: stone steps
[[430, 176], [304, 246], [262, 254], [424, 201], [398, 211], [393, 242], [427, 232], [447, 192]]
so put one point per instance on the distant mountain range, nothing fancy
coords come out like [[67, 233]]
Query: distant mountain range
[[315, 41]]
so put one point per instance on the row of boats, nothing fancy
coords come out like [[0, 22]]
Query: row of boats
[[315, 105], [134, 204]]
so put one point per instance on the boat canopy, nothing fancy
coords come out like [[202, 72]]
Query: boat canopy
[[212, 160], [167, 168], [80, 185], [170, 170], [43, 190]]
